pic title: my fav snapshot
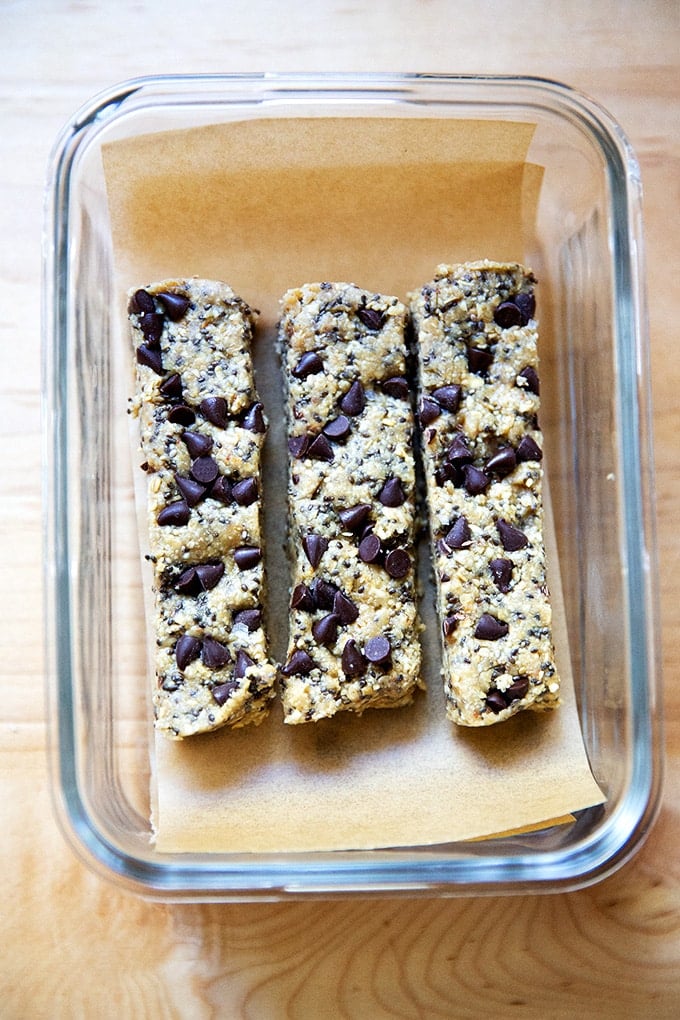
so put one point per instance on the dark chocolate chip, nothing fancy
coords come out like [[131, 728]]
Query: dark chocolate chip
[[320, 448], [496, 702], [344, 609], [209, 574], [325, 630], [151, 357], [392, 493], [171, 388], [354, 517], [508, 314], [298, 446], [397, 563], [502, 463], [142, 302], [247, 556], [449, 624], [489, 628], [428, 411], [299, 664], [353, 661], [396, 386], [302, 598], [446, 473], [174, 514], [324, 593], [371, 317], [479, 359], [188, 583], [151, 325], [528, 449], [519, 688], [526, 302], [314, 546], [221, 490], [197, 444], [378, 649], [512, 538], [354, 400], [254, 420], [448, 397], [245, 492], [175, 305], [192, 491], [204, 470], [181, 414], [501, 571], [370, 549], [458, 451], [186, 650], [241, 664], [249, 618], [216, 410], [214, 655], [222, 692], [309, 364], [476, 481], [458, 535], [530, 376], [337, 429]]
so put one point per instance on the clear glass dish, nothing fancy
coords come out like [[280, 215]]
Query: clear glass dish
[[587, 250]]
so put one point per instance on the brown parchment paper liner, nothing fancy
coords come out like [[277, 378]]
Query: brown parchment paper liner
[[269, 204]]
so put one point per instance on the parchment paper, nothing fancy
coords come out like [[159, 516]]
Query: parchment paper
[[269, 204]]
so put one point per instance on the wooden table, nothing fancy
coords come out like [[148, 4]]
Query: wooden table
[[73, 945]]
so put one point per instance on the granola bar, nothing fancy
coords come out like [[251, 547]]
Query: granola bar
[[476, 339], [202, 428], [353, 639]]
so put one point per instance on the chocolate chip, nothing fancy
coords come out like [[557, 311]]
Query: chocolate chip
[[353, 661], [526, 302], [512, 538], [299, 664], [222, 692], [519, 688], [302, 598], [325, 630], [458, 535], [428, 411], [338, 428], [247, 556], [448, 397], [528, 449], [298, 446], [530, 376], [502, 463], [142, 302], [174, 514], [501, 571], [249, 618], [171, 388], [253, 420], [181, 415], [188, 583], [192, 491], [496, 702], [186, 650], [241, 664], [396, 386], [214, 655], [216, 410], [324, 593], [371, 317], [489, 628], [314, 546], [209, 574], [378, 649], [449, 624], [204, 470], [479, 359], [344, 609], [309, 364], [476, 481], [392, 493], [507, 314], [320, 449], [197, 444], [370, 549], [354, 517], [458, 451], [221, 490], [397, 563], [151, 325], [354, 400], [151, 357], [245, 492], [446, 473], [175, 305]]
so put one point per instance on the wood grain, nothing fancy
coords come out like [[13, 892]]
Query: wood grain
[[73, 945]]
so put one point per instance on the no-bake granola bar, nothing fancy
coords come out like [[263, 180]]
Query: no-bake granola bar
[[202, 428], [353, 624], [476, 339]]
